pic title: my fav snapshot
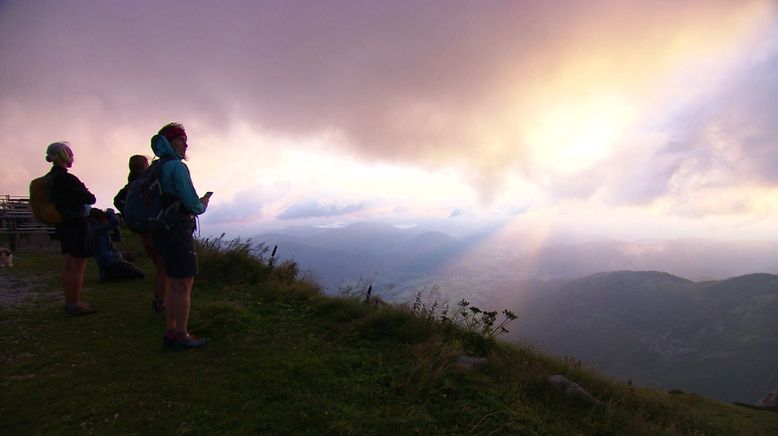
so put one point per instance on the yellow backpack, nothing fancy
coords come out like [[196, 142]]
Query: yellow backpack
[[40, 201]]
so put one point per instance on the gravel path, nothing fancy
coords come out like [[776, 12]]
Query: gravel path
[[16, 289]]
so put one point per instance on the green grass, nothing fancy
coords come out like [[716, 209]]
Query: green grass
[[286, 360]]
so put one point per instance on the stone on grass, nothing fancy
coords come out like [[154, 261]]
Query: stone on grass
[[770, 401], [572, 391]]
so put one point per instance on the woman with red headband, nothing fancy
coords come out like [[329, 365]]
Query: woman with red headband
[[176, 244]]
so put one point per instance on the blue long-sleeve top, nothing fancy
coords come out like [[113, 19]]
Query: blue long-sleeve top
[[105, 252], [174, 177]]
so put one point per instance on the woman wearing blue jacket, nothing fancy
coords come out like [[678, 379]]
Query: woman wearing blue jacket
[[176, 245]]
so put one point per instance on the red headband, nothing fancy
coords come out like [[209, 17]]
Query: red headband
[[172, 131]]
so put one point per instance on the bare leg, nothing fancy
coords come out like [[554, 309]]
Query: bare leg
[[160, 284], [178, 304], [170, 309], [73, 278], [160, 277]]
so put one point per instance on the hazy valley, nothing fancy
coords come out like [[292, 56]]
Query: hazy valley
[[704, 324]]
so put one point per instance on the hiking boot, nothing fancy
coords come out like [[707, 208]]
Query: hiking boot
[[78, 309], [185, 343], [158, 305], [168, 341]]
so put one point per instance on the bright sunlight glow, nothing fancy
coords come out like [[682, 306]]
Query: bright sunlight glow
[[570, 136]]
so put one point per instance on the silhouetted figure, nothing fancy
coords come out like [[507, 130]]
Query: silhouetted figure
[[112, 264], [72, 200], [176, 244], [138, 164]]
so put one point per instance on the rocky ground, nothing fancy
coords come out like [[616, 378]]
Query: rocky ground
[[16, 289]]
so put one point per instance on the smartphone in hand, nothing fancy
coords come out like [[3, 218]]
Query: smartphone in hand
[[208, 194]]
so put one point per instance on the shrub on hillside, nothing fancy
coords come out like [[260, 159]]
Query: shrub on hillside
[[241, 261], [477, 329]]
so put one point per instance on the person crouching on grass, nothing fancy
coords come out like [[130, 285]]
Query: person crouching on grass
[[72, 200], [109, 259], [176, 244]]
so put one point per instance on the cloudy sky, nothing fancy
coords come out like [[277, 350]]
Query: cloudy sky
[[627, 119]]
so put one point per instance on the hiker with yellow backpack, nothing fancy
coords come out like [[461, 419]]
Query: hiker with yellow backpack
[[70, 199]]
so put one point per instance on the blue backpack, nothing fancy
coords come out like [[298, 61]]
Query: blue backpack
[[146, 208]]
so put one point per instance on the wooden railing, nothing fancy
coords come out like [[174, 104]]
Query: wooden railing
[[18, 222]]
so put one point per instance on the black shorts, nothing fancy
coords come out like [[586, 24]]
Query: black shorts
[[75, 238], [176, 248]]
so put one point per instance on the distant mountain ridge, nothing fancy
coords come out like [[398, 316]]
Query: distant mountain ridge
[[715, 338], [380, 252], [390, 254]]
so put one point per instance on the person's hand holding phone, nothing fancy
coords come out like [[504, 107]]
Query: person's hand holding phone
[[206, 197]]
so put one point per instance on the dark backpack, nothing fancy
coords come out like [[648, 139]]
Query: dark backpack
[[119, 199], [146, 208]]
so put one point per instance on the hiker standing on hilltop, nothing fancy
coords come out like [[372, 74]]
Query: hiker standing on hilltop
[[72, 199], [138, 164], [176, 244]]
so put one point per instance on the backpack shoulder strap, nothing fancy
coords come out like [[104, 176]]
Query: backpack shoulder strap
[[156, 166], [152, 173], [48, 183]]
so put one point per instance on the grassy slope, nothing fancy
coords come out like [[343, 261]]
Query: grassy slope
[[284, 359]]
